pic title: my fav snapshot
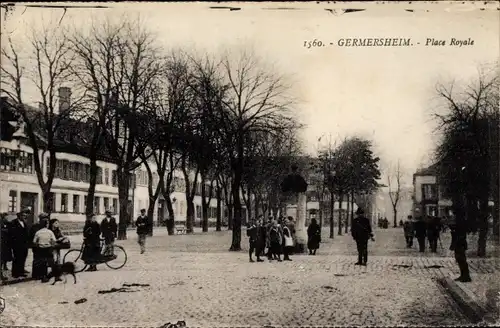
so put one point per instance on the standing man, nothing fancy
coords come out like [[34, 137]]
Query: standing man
[[20, 242], [142, 224], [254, 236], [409, 232], [38, 259], [44, 240], [361, 232], [459, 246], [420, 231], [433, 228], [109, 230]]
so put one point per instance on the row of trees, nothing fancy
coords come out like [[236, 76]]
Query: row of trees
[[226, 120], [347, 172], [468, 153]]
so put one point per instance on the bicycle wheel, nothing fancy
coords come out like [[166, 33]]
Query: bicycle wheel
[[120, 260], [75, 256]]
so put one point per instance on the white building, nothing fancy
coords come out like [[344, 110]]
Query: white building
[[19, 187]]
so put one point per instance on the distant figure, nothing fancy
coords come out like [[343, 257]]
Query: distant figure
[[433, 228], [409, 231], [361, 231], [420, 233], [275, 240], [314, 237], [254, 240], [142, 223], [400, 223], [288, 241]]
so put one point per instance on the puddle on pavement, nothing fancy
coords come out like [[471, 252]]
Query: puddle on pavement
[[395, 266], [433, 266], [124, 289]]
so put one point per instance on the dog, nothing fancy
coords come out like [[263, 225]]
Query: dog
[[64, 269]]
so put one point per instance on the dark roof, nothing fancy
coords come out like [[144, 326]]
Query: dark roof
[[431, 170], [73, 136]]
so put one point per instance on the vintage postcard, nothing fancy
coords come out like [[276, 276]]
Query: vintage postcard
[[244, 164]]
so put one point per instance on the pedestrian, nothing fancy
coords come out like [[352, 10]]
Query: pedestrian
[[433, 227], [275, 240], [253, 234], [62, 242], [38, 260], [142, 223], [261, 238], [268, 227], [6, 249], [109, 230], [420, 233], [44, 241], [288, 242], [92, 243], [409, 232], [313, 237], [19, 238], [459, 245], [361, 231]]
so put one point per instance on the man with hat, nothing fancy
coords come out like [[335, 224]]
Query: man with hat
[[109, 230], [38, 260], [20, 242], [361, 231], [142, 224]]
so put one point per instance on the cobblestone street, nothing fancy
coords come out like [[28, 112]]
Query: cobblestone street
[[195, 278]]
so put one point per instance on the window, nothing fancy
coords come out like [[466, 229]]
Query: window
[[198, 211], [106, 176], [64, 203], [87, 173], [72, 171], [65, 170], [429, 191], [76, 203], [114, 178], [106, 203], [13, 201], [47, 166], [59, 169], [85, 203], [99, 175], [97, 203], [115, 206], [431, 210]]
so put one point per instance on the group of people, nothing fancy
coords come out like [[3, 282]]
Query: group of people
[[44, 238], [428, 228], [278, 237]]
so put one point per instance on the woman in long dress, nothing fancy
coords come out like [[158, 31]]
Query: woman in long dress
[[314, 237]]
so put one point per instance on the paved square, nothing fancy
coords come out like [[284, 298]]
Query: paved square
[[195, 278]]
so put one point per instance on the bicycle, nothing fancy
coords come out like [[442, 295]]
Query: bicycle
[[110, 262]]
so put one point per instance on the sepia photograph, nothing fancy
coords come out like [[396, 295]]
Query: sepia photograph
[[250, 164]]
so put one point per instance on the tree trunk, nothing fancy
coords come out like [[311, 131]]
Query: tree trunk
[[346, 228], [190, 216], [150, 214], [483, 227], [204, 207], [320, 214], [341, 198], [123, 191], [171, 216], [236, 241], [89, 206], [395, 219], [47, 201], [332, 208], [230, 216], [218, 223]]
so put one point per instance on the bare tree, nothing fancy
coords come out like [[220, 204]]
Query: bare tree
[[394, 184], [45, 64], [257, 100]]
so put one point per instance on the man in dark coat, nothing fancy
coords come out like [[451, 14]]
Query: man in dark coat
[[459, 245], [142, 224], [109, 230], [38, 261], [433, 229], [420, 232], [253, 234], [20, 242], [6, 249], [409, 231], [361, 232]]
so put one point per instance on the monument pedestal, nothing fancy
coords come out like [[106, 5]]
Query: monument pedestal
[[300, 224]]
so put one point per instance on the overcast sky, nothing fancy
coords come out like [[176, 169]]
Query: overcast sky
[[386, 94]]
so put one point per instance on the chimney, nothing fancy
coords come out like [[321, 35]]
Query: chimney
[[64, 98]]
